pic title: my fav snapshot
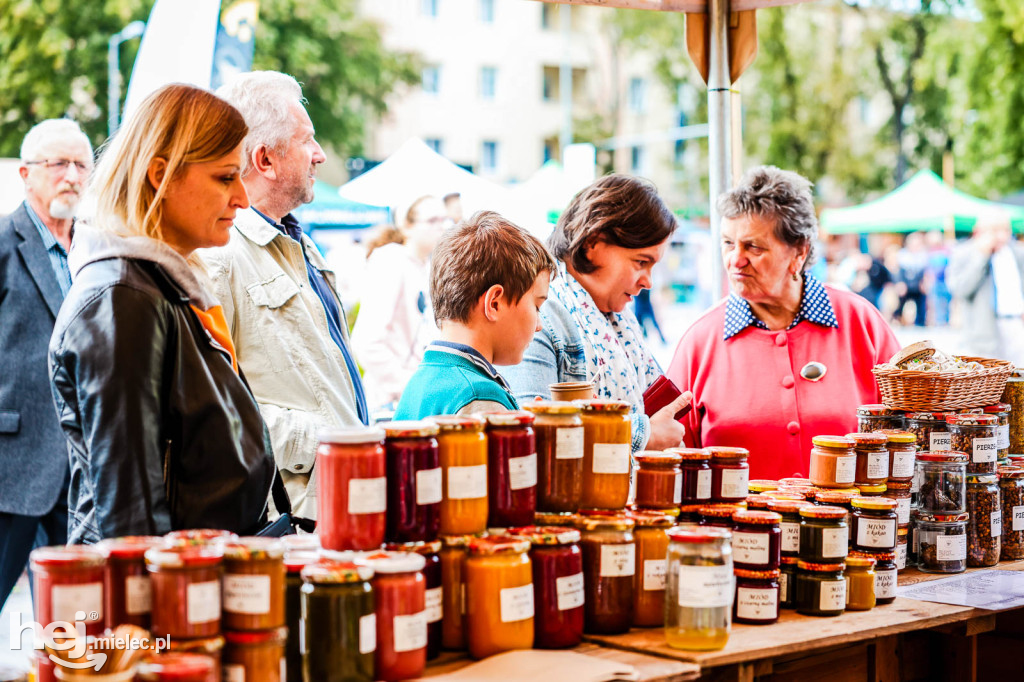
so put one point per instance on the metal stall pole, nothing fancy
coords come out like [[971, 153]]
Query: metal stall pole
[[720, 156]]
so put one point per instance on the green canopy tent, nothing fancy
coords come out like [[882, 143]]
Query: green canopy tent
[[329, 210], [922, 203]]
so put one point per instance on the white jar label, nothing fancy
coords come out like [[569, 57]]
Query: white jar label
[[618, 560], [368, 633], [677, 489], [569, 443], [428, 486], [654, 574], [734, 482], [435, 597], [233, 673], [878, 464], [67, 600], [997, 524], [915, 482], [247, 593], [903, 510], [790, 536], [705, 586], [833, 595], [901, 556], [951, 547], [902, 464], [611, 458], [704, 484], [1003, 436], [410, 632], [570, 592], [522, 472], [367, 495], [878, 533], [835, 542], [985, 450], [846, 469], [467, 483], [750, 548], [757, 604], [940, 440], [1018, 518], [783, 587], [885, 583], [138, 595], [517, 603], [203, 602]]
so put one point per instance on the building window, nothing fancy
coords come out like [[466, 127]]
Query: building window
[[550, 92], [550, 149], [547, 16], [428, 8], [680, 152], [637, 95], [435, 144], [488, 81], [489, 159], [432, 79], [487, 11], [636, 159]]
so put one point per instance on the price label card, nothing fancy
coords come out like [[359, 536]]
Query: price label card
[[611, 458], [428, 486], [618, 560], [704, 484], [367, 495], [705, 586], [570, 592], [467, 483], [249, 594], [522, 472], [569, 443], [516, 603]]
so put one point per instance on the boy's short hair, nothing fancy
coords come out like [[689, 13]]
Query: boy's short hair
[[478, 253]]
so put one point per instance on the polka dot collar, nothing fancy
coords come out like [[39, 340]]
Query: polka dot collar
[[815, 307]]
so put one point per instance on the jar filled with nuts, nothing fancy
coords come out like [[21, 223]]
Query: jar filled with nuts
[[877, 417], [985, 526], [940, 542], [930, 429], [975, 434], [943, 482], [1011, 496], [1002, 413]]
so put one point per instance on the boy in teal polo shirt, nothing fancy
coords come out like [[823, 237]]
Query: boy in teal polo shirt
[[488, 280]]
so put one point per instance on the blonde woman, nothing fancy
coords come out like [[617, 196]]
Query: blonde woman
[[163, 433]]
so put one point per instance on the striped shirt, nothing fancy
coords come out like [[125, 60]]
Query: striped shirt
[[58, 256]]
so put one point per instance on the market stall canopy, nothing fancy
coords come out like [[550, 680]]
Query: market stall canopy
[[328, 210], [922, 203], [545, 194]]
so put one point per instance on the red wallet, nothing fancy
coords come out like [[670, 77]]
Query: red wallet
[[661, 393]]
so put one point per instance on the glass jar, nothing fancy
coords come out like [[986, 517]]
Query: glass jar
[[499, 596], [690, 513], [756, 540], [900, 492], [762, 486], [413, 481], [838, 498], [434, 597], [651, 535], [877, 417], [860, 582], [803, 492], [975, 434], [872, 490], [185, 581], [985, 526], [789, 511], [511, 469], [559, 432], [833, 462], [699, 588], [757, 597], [659, 480], [257, 655], [128, 596], [929, 429], [719, 515], [1002, 413], [696, 472], [885, 575], [253, 584], [196, 536], [294, 562], [454, 549], [212, 648], [787, 582], [902, 548], [338, 624], [874, 524], [557, 585], [940, 542], [943, 478], [823, 534], [757, 502], [606, 453], [352, 495], [462, 450], [872, 457], [902, 446], [67, 580], [820, 589], [175, 667], [1013, 395], [1011, 497], [399, 592], [787, 494], [609, 564], [730, 474]]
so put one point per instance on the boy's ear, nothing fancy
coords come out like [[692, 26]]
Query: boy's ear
[[494, 301]]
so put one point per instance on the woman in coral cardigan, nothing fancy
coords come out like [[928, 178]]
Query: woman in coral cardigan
[[783, 358]]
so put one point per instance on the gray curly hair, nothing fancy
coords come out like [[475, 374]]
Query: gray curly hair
[[263, 97]]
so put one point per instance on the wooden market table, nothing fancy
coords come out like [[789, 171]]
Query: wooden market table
[[905, 640]]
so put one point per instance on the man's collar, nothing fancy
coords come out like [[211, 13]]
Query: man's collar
[[471, 354], [815, 306]]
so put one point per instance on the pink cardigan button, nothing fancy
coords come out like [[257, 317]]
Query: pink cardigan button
[[793, 428], [780, 340], [787, 382]]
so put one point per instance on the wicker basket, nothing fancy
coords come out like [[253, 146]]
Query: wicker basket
[[917, 391]]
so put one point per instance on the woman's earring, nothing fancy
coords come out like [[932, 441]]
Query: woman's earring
[[794, 277]]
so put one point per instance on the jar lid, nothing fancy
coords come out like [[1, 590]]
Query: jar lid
[[941, 518], [872, 438], [997, 408], [898, 485], [128, 547], [902, 530], [787, 506], [336, 572], [274, 636], [253, 548], [927, 416], [199, 535], [457, 540], [547, 535], [1011, 472], [421, 428], [815, 512], [875, 410], [833, 442], [691, 454], [719, 511], [699, 534], [789, 560], [802, 490], [454, 422], [551, 407], [758, 501], [972, 419], [861, 561], [757, 518], [795, 481], [878, 556], [657, 458], [169, 666], [836, 496], [664, 511], [499, 544], [899, 436], [874, 503], [785, 495], [809, 566], [772, 574], [872, 489], [211, 646], [342, 555], [651, 519], [948, 456], [185, 556], [425, 548], [599, 519], [387, 563], [762, 485], [718, 452], [691, 509], [983, 479], [555, 519], [306, 542], [70, 556], [602, 405], [295, 561], [351, 436]]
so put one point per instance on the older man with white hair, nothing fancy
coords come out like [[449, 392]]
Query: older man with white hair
[[56, 159]]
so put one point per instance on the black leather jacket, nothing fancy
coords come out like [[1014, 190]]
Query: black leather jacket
[[162, 433]]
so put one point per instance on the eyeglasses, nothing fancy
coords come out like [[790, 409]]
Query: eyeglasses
[[61, 165]]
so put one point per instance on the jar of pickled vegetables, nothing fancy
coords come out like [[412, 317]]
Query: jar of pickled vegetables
[[511, 469], [833, 462], [352, 493], [499, 596], [607, 439], [651, 535], [609, 566], [730, 473], [338, 625], [462, 448], [659, 480], [559, 432], [557, 585], [699, 588], [413, 481]]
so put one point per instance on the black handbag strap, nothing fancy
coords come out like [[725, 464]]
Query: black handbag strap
[[284, 505]]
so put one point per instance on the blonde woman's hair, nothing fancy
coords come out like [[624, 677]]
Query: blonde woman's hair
[[179, 123]]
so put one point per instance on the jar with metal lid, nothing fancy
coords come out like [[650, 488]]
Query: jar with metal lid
[[559, 432], [940, 542], [212, 648], [985, 525], [65, 581], [651, 536], [609, 567], [900, 491], [557, 585], [885, 575], [860, 582], [1002, 414], [253, 584], [454, 550], [511, 469], [762, 486], [399, 592], [756, 540], [838, 498], [499, 596], [197, 536], [659, 480], [719, 515], [352, 495], [1011, 497], [804, 492], [757, 597], [902, 446], [872, 490], [1013, 395], [903, 549], [929, 429], [185, 581], [874, 524], [943, 482], [128, 597], [823, 534], [757, 502], [556, 519], [729, 474], [789, 510], [175, 667], [255, 655], [607, 438], [877, 417], [413, 481], [787, 582], [434, 597], [833, 462], [699, 588], [820, 589], [788, 494], [294, 562], [872, 457], [462, 451], [696, 471], [975, 434]]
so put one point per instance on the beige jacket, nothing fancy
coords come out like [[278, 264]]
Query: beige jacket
[[279, 328]]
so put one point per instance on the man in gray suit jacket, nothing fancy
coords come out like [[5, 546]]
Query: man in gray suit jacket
[[56, 159]]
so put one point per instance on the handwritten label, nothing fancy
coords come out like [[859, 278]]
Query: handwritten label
[[846, 469], [410, 632], [885, 583], [951, 547], [901, 556], [734, 482], [997, 524], [835, 542], [203, 602], [1018, 518], [757, 604], [704, 484], [878, 533], [750, 548], [985, 450], [611, 458], [940, 440], [705, 586], [522, 472], [367, 633], [428, 486], [878, 464], [903, 510], [138, 595], [618, 560], [790, 536], [467, 483], [247, 593], [570, 592], [915, 483], [516, 603], [367, 495], [833, 595], [66, 600], [902, 463], [435, 599], [569, 443], [654, 574], [783, 587]]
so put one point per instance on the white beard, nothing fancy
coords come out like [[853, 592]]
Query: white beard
[[62, 210]]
